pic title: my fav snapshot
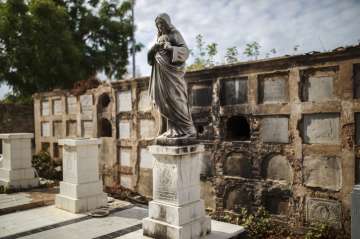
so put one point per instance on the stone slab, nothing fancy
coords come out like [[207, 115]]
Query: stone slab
[[275, 129], [17, 136], [322, 128], [323, 172], [79, 142], [175, 215], [273, 90], [79, 205], [323, 210], [233, 91], [355, 212], [194, 229], [80, 190], [320, 88], [124, 101], [124, 129]]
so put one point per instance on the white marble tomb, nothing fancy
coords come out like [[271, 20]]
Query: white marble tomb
[[15, 167], [81, 189]]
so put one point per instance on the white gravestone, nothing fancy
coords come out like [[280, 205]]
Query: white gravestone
[[355, 212], [177, 212], [15, 167], [81, 189]]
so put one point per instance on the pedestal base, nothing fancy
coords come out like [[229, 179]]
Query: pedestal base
[[191, 230], [18, 178], [177, 212], [77, 198]]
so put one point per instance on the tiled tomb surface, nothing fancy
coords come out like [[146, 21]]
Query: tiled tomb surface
[[278, 120]]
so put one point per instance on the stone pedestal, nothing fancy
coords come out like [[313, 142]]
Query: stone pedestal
[[15, 166], [177, 212], [81, 189], [355, 212]]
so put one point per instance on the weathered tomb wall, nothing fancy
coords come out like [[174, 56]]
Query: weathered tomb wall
[[281, 133]]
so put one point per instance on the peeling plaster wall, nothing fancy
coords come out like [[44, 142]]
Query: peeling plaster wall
[[300, 117]]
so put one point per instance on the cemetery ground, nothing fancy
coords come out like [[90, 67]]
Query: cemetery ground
[[32, 214]]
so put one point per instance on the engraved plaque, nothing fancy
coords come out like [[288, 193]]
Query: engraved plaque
[[57, 107], [45, 111], [322, 128], [124, 101], [86, 103], [87, 128], [165, 182], [45, 129], [71, 128], [57, 128], [323, 210], [273, 90], [71, 105]]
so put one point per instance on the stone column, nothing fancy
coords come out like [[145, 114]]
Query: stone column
[[81, 189], [355, 212], [15, 167], [177, 212]]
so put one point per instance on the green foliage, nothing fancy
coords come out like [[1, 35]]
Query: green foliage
[[321, 230], [252, 50], [204, 54], [47, 44], [46, 167], [232, 55], [257, 225], [16, 99]]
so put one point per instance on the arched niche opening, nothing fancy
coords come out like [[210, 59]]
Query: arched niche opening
[[104, 100], [105, 128], [237, 129], [276, 167]]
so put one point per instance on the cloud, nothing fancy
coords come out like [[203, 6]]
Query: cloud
[[3, 90], [281, 24]]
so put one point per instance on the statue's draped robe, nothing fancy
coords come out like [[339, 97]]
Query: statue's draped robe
[[168, 88]]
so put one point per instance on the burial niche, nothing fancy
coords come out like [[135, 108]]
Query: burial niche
[[276, 167], [238, 164], [237, 129], [237, 198], [104, 100], [105, 129]]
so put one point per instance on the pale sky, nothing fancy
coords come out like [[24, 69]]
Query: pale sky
[[314, 25]]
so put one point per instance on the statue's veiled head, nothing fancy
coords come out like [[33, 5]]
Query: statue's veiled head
[[163, 23]]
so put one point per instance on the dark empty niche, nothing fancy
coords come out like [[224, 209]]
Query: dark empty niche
[[104, 100], [238, 198], [276, 204], [357, 128], [45, 147], [356, 80], [200, 129], [237, 129], [357, 171], [56, 150], [105, 128], [201, 95], [233, 91]]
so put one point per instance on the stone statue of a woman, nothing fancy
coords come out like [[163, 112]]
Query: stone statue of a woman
[[168, 88]]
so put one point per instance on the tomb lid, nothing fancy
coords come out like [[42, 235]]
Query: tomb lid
[[17, 136], [79, 141]]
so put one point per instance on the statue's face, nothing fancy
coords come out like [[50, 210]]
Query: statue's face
[[162, 26]]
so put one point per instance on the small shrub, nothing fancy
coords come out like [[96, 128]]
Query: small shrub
[[321, 230], [46, 167]]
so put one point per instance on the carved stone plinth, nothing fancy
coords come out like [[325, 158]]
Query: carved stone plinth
[[177, 212], [15, 167], [355, 212], [81, 189]]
